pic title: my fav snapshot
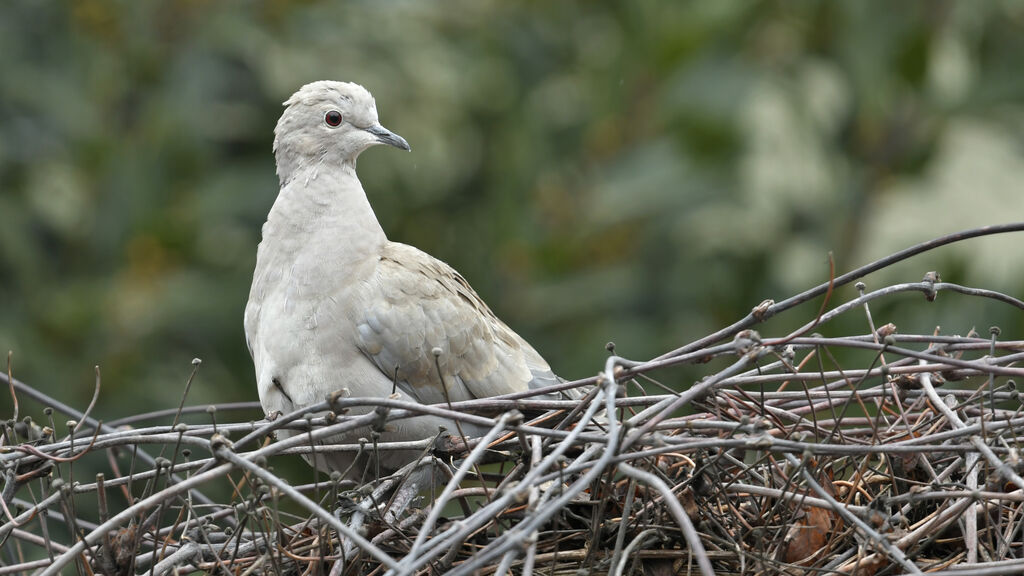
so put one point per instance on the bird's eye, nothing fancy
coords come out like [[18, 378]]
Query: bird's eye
[[333, 118]]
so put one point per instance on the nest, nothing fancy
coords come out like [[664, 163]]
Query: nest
[[876, 453]]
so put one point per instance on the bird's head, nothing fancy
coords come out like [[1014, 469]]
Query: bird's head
[[328, 122]]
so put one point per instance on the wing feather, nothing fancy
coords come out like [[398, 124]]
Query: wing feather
[[414, 303]]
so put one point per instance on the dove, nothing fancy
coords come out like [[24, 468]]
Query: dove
[[337, 307]]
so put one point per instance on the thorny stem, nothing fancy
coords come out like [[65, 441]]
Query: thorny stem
[[901, 455]]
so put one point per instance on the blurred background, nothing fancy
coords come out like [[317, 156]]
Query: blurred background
[[639, 172]]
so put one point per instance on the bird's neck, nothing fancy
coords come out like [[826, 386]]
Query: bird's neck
[[324, 211]]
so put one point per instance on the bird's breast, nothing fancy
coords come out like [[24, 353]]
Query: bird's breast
[[295, 322]]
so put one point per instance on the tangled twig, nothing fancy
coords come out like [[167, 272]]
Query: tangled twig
[[869, 453]]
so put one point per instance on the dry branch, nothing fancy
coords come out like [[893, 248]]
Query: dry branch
[[873, 453]]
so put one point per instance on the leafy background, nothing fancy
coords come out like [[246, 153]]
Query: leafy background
[[639, 172]]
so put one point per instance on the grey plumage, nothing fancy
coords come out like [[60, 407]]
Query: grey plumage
[[335, 305]]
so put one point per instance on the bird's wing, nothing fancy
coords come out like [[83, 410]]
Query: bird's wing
[[414, 304]]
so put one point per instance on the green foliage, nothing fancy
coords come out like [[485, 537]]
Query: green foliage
[[641, 172]]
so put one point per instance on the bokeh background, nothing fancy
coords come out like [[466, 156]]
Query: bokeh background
[[639, 172]]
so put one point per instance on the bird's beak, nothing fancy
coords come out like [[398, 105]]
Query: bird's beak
[[385, 136]]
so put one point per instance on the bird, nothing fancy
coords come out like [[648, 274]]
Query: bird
[[337, 307]]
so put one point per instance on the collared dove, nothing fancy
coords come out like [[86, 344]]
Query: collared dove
[[335, 305]]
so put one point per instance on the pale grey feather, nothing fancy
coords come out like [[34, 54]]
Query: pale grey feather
[[336, 306]]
